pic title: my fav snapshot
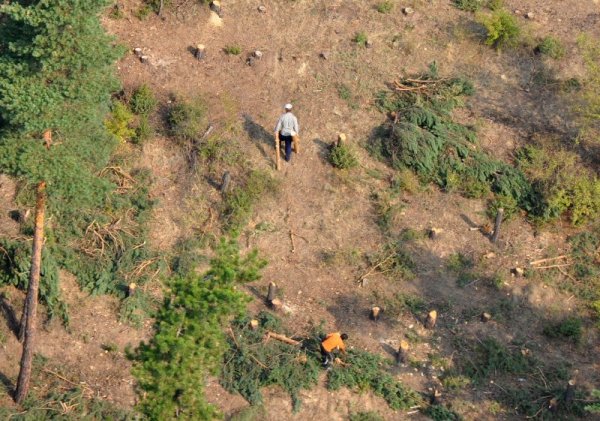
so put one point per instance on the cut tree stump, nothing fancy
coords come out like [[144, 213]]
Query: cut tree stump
[[402, 354], [253, 324], [131, 289], [431, 319], [376, 313], [434, 233], [276, 304], [200, 52], [215, 6], [272, 292], [486, 317], [570, 392], [436, 397], [225, 182]]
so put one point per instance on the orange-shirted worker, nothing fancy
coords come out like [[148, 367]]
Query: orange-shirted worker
[[332, 342]]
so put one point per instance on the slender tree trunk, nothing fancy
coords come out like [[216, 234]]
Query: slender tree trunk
[[30, 308]]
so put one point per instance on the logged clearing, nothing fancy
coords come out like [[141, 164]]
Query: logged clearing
[[513, 325]]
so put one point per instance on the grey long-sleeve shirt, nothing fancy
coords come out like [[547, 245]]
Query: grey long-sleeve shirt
[[287, 124]]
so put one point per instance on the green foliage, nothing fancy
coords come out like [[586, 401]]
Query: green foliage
[[361, 38], [63, 42], [143, 102], [394, 260], [569, 328], [442, 413], [365, 371], [15, 263], [454, 382], [365, 416], [491, 358], [188, 119], [468, 5], [239, 202], [189, 343], [385, 6], [495, 4], [233, 50], [401, 303], [551, 47], [253, 364], [143, 131], [343, 157], [547, 182], [459, 262], [561, 183], [502, 29], [119, 122], [594, 408]]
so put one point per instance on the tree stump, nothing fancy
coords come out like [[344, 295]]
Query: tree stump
[[253, 324], [138, 52], [131, 289], [276, 304], [272, 292], [341, 140], [225, 182], [434, 233], [402, 354], [200, 52], [570, 392], [215, 6], [144, 59], [486, 317], [431, 319], [376, 313], [436, 397]]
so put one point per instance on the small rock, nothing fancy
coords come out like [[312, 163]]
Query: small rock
[[408, 10], [262, 9], [137, 51], [258, 54], [503, 77], [489, 255], [144, 59], [529, 15], [324, 55]]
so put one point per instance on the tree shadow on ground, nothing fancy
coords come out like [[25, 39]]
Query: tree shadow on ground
[[6, 384], [323, 149], [10, 315], [264, 140]]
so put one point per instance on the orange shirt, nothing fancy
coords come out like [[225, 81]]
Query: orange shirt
[[333, 341]]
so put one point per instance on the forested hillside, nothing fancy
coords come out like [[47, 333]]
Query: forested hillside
[[441, 208]]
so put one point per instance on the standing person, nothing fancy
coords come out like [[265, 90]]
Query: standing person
[[287, 127], [332, 342]]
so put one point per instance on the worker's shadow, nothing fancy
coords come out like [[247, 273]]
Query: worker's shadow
[[265, 141]]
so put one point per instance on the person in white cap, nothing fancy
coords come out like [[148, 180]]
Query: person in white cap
[[287, 127]]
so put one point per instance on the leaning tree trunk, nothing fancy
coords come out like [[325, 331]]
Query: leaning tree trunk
[[29, 311]]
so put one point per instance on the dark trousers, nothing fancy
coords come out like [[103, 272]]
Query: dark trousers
[[288, 145], [327, 356]]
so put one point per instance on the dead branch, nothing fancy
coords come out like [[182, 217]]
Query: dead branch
[[536, 262], [551, 266], [281, 338], [238, 347], [373, 268], [292, 240]]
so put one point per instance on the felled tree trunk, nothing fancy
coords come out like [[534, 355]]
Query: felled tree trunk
[[29, 312]]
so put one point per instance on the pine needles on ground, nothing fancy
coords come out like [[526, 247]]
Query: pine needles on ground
[[253, 363], [365, 371]]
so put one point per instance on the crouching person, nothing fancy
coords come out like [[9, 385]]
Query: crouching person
[[331, 343]]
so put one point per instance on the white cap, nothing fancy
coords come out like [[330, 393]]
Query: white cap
[[288, 106]]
